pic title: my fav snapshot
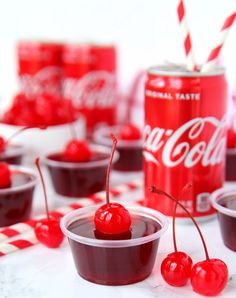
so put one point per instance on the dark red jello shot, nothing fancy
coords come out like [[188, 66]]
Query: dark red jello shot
[[119, 259], [130, 151], [12, 154], [230, 169], [224, 201], [78, 179], [16, 200]]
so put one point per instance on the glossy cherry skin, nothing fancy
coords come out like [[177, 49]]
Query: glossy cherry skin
[[77, 151], [112, 218], [48, 232], [176, 268], [130, 132], [2, 144], [5, 175], [231, 138], [209, 277]]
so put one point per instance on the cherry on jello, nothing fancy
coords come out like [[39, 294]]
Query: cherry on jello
[[129, 132], [2, 144], [5, 175], [112, 218], [176, 267], [47, 230], [208, 277], [77, 151]]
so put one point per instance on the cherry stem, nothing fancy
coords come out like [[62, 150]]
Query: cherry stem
[[73, 131], [44, 187], [19, 131], [114, 141], [153, 189], [184, 189]]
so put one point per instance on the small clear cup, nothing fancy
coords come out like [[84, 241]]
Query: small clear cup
[[13, 154], [224, 201], [79, 179], [16, 201], [114, 262], [130, 151]]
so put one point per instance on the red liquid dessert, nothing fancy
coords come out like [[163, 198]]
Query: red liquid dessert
[[115, 266], [13, 154], [16, 201], [230, 169], [227, 222], [78, 179], [131, 159]]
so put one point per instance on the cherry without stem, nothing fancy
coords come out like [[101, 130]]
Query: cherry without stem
[[208, 277], [47, 230], [112, 218], [5, 175], [130, 132]]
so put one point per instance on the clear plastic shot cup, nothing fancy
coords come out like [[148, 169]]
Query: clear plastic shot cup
[[16, 200], [130, 151], [224, 201], [13, 154], [79, 179], [114, 260]]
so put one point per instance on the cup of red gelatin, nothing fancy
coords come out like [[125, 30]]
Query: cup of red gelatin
[[79, 179], [230, 167], [13, 154], [224, 201], [16, 200], [114, 259], [130, 151]]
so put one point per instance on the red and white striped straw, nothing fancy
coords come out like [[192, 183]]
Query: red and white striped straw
[[190, 59], [23, 227], [214, 54]]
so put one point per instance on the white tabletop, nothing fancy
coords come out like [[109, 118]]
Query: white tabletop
[[39, 272]]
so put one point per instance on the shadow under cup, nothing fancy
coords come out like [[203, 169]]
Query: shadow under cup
[[224, 201], [115, 262]]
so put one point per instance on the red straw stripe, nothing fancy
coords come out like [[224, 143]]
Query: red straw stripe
[[181, 10], [21, 243], [229, 21], [187, 44], [10, 232]]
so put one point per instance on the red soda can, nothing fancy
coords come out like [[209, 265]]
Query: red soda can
[[184, 137], [39, 68], [90, 82]]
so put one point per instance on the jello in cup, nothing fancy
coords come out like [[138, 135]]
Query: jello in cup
[[224, 201], [16, 200], [114, 259], [130, 151], [13, 154], [78, 179]]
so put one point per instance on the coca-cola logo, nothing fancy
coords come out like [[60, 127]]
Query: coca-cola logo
[[95, 89], [187, 144], [46, 80]]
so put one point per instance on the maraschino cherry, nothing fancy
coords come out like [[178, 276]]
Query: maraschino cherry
[[47, 230], [208, 277], [231, 138], [77, 150], [176, 267], [112, 218], [4, 143], [5, 175], [129, 132]]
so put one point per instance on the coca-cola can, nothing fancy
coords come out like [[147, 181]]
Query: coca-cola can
[[90, 82], [39, 68], [184, 137]]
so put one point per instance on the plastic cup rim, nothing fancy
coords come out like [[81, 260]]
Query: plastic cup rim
[[219, 194], [24, 186], [81, 165], [14, 150], [101, 136], [74, 215]]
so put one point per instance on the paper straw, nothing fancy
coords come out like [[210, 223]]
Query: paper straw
[[191, 64], [21, 228], [214, 54]]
